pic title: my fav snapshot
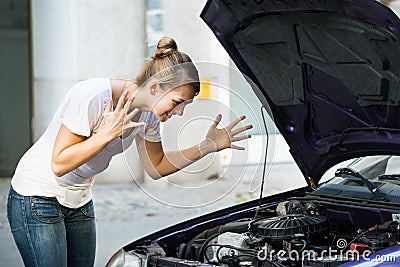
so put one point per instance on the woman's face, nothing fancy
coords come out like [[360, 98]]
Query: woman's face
[[173, 102]]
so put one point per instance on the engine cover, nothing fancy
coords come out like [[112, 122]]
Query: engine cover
[[291, 226]]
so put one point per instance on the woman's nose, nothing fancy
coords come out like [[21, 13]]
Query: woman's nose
[[179, 110]]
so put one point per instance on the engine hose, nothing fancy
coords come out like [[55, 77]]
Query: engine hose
[[234, 227], [202, 248]]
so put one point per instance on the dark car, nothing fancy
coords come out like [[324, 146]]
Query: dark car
[[329, 70]]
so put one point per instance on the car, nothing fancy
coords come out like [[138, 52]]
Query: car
[[330, 73]]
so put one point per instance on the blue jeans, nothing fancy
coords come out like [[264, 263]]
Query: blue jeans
[[49, 234]]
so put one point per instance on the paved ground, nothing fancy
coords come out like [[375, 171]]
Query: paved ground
[[125, 212]]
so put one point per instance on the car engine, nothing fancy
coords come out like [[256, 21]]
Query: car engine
[[294, 234]]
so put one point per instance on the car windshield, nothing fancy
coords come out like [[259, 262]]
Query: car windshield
[[373, 167], [370, 167], [375, 178]]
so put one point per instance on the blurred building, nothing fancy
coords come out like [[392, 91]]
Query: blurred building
[[46, 46]]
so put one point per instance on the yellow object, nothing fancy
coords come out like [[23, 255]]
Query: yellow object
[[205, 88]]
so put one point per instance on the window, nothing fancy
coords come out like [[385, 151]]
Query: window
[[154, 25]]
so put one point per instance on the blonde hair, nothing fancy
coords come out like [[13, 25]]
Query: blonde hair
[[172, 68]]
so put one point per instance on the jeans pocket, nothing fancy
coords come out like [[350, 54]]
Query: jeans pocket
[[88, 209], [46, 209], [15, 208]]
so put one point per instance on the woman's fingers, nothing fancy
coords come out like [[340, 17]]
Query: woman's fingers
[[241, 129], [233, 133], [121, 101], [239, 138], [132, 124], [224, 137], [132, 114], [217, 120], [237, 147], [235, 122], [108, 106], [128, 103]]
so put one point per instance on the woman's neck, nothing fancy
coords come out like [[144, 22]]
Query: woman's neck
[[118, 86]]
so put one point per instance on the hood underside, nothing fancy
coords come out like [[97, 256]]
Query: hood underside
[[329, 70]]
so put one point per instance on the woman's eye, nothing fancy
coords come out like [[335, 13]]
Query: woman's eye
[[176, 103]]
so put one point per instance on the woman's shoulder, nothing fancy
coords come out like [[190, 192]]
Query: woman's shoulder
[[91, 88], [95, 82], [120, 84]]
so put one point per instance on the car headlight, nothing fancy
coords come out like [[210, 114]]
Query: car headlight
[[126, 259]]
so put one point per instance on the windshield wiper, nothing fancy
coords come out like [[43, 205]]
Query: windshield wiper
[[371, 187]]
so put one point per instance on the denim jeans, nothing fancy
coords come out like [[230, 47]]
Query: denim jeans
[[48, 234]]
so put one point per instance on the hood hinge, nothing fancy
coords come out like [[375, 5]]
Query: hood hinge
[[312, 183]]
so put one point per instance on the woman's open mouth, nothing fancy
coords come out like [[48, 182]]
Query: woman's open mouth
[[166, 116]]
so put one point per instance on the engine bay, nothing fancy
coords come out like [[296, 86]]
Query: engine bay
[[297, 232]]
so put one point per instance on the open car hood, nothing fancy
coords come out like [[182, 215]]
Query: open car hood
[[329, 70]]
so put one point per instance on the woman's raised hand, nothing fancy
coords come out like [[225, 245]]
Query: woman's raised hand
[[219, 139], [118, 120]]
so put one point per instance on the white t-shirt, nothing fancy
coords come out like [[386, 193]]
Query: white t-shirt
[[81, 111]]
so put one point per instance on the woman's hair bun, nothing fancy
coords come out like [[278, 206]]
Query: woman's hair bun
[[166, 46]]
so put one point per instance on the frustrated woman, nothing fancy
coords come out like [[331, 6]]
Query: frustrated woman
[[50, 208]]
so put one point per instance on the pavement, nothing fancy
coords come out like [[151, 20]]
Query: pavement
[[128, 211]]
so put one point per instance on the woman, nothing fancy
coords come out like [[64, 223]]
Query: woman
[[50, 210]]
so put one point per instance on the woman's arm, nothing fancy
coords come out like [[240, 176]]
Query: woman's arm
[[158, 163], [71, 150]]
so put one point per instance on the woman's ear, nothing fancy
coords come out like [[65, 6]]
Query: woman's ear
[[153, 86]]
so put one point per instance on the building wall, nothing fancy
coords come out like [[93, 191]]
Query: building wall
[[195, 38], [75, 40], [15, 134]]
